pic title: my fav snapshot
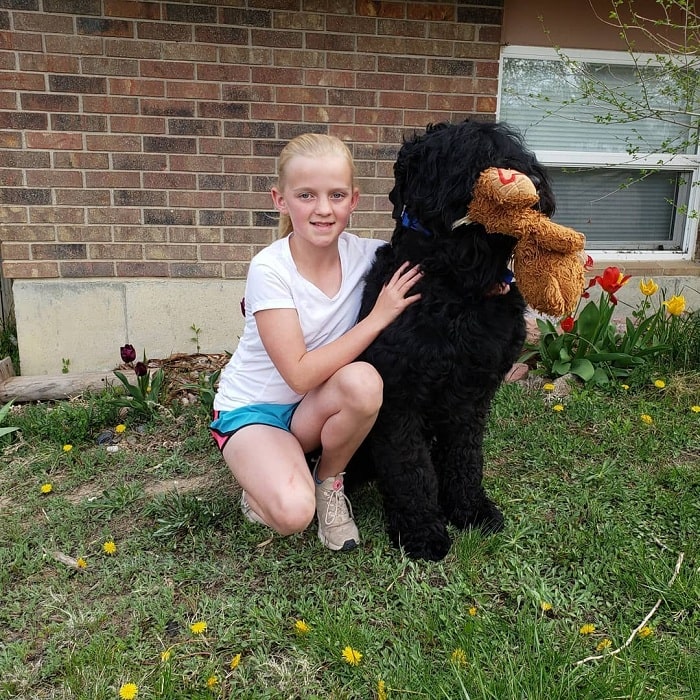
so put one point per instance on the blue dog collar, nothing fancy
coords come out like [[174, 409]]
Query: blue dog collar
[[408, 221]]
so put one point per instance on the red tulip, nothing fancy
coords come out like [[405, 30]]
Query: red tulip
[[127, 353], [611, 281], [567, 324], [140, 369]]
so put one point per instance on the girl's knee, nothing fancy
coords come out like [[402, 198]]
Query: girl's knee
[[362, 387], [293, 515]]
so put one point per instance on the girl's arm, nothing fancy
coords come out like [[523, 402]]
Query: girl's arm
[[303, 369]]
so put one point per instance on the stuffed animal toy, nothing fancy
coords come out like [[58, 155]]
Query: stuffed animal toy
[[548, 259], [443, 359]]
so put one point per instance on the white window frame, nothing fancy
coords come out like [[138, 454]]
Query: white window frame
[[616, 160]]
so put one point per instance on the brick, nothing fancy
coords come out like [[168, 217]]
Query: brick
[[14, 251], [330, 42], [49, 63], [110, 105], [194, 200], [137, 125], [13, 215], [248, 93], [381, 81], [275, 113], [224, 73], [84, 234], [114, 215], [162, 31], [192, 14], [11, 178], [223, 110], [453, 32], [471, 14], [402, 65], [257, 237], [8, 100], [77, 7], [195, 127], [245, 55], [170, 252], [8, 60], [126, 48], [198, 234], [490, 34], [140, 161], [23, 120], [438, 12], [169, 144], [109, 179], [29, 270], [450, 67], [71, 44], [255, 165], [168, 108], [40, 22], [142, 269], [187, 51], [56, 215], [122, 67], [248, 18], [278, 76], [227, 146], [326, 114], [86, 269], [100, 26], [172, 69], [221, 35], [25, 159], [225, 252], [169, 217], [21, 195], [432, 84], [301, 95], [132, 8], [141, 234], [403, 100], [21, 81], [118, 143], [223, 182], [16, 41], [86, 198], [223, 217], [80, 160], [183, 270], [486, 69], [236, 271], [168, 181], [78, 122], [486, 104], [358, 24], [4, 21], [474, 50], [392, 27], [54, 141], [77, 83], [138, 198], [115, 251], [197, 90], [49, 103], [134, 86], [54, 178], [12, 232], [60, 251], [451, 103], [195, 163], [359, 98]]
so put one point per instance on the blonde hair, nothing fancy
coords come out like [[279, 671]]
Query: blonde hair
[[310, 146]]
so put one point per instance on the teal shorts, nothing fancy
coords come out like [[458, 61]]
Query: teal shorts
[[226, 423]]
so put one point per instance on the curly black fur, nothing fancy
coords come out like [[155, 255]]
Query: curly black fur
[[443, 359]]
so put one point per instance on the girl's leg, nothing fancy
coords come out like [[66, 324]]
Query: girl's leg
[[338, 415], [270, 466]]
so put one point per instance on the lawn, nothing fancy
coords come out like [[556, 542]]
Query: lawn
[[129, 562]]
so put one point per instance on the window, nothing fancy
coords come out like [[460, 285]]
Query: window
[[627, 183]]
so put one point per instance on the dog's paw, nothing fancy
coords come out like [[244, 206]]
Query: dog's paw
[[433, 543], [485, 517]]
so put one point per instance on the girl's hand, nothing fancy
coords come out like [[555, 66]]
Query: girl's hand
[[392, 300]]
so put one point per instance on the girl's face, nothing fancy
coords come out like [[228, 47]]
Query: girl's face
[[318, 195]]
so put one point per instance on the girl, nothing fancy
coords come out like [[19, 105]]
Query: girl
[[294, 385]]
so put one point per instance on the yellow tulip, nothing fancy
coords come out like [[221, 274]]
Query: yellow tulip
[[675, 305], [648, 288]]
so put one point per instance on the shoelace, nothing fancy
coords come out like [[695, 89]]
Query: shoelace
[[339, 502]]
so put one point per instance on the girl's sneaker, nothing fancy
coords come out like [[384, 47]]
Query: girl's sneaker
[[249, 513], [336, 527]]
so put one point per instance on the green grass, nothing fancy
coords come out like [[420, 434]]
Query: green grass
[[599, 506]]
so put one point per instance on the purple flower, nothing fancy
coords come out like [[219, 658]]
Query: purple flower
[[140, 369], [128, 353]]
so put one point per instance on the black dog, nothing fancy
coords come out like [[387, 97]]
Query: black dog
[[443, 359]]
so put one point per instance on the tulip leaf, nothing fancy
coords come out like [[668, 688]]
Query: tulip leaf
[[583, 368]]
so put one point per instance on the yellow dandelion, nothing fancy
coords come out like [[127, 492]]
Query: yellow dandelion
[[472, 611], [626, 387], [81, 563], [166, 655], [67, 448], [235, 661], [558, 407], [301, 628], [459, 657], [545, 606], [128, 691], [352, 656], [646, 631], [198, 627], [212, 682], [588, 628], [648, 288], [549, 386], [109, 547], [120, 429], [46, 488], [659, 383], [695, 409], [675, 305], [646, 418], [381, 690], [603, 644]]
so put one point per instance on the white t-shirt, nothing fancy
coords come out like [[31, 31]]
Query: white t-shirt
[[273, 282]]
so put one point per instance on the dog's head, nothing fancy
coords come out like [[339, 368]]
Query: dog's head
[[435, 172]]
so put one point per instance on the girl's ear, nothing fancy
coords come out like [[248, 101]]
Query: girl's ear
[[278, 201], [355, 199]]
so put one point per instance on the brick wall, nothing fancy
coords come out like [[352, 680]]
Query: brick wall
[[138, 139]]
